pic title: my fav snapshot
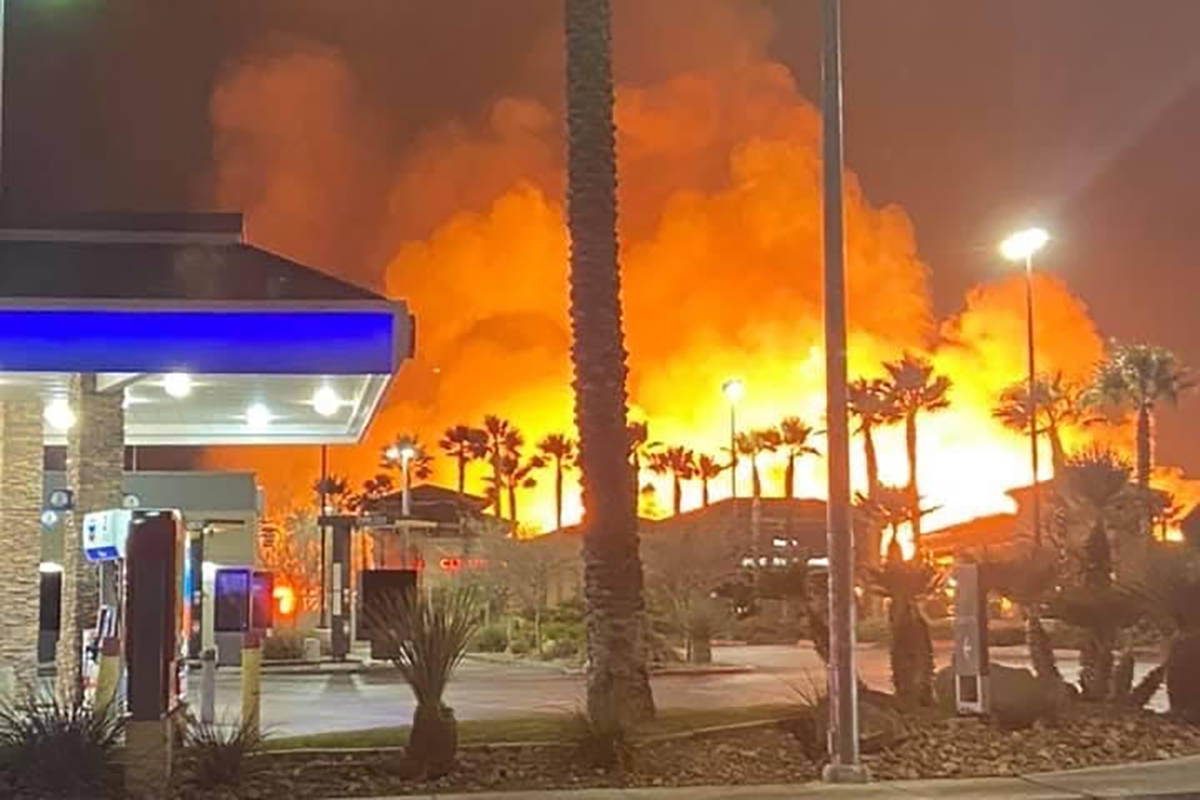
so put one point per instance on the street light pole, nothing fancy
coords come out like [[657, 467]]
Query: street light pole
[[733, 459], [1033, 402], [844, 766], [1020, 247], [406, 455]]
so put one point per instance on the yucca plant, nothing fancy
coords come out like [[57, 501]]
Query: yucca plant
[[1102, 612], [221, 754], [48, 749], [1027, 582], [428, 636], [911, 655], [1171, 600]]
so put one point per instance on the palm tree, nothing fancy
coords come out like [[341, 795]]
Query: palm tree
[[335, 489], [560, 450], [707, 468], [911, 654], [372, 489], [794, 435], [870, 402], [618, 681], [888, 508], [501, 440], [1138, 377], [464, 444], [680, 463], [912, 387], [515, 473], [752, 444], [1058, 403], [1097, 480]]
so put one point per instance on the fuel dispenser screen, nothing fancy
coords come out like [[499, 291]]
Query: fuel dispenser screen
[[232, 600]]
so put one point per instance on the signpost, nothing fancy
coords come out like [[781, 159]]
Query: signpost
[[970, 641]]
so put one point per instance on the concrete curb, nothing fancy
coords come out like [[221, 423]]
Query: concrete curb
[[710, 669]]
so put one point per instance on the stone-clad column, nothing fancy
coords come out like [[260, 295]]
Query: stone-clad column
[[21, 440], [95, 459]]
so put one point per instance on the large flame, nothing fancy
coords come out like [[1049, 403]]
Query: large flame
[[720, 219]]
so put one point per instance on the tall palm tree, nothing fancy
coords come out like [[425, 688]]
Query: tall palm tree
[[871, 404], [1139, 377], [1058, 403], [464, 444], [707, 468], [754, 443], [912, 388], [560, 450], [515, 473], [680, 464], [795, 435], [618, 681], [501, 439]]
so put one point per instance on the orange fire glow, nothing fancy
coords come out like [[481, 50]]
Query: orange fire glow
[[721, 256]]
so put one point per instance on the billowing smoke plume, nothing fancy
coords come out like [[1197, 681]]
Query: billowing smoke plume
[[720, 226]]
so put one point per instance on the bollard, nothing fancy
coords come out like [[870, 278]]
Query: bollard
[[251, 668], [108, 675], [208, 686]]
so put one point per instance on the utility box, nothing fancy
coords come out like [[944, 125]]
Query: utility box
[[970, 641]]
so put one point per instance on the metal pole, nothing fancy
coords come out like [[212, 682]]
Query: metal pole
[[1033, 403], [321, 530], [405, 503], [3, 27], [844, 766], [733, 459]]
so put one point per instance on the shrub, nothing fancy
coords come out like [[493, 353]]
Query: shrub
[[217, 755], [284, 645], [51, 750], [873, 630], [765, 629], [560, 648], [492, 639]]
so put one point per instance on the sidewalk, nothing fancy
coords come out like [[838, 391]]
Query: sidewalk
[[1178, 777]]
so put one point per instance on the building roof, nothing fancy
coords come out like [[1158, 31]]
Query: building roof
[[988, 531], [433, 503]]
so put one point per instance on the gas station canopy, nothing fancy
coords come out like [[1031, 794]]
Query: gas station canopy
[[212, 340]]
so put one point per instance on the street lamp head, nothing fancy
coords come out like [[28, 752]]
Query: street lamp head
[[407, 452], [733, 389], [1023, 244], [392, 453]]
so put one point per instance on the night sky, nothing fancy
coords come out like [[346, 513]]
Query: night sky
[[976, 117]]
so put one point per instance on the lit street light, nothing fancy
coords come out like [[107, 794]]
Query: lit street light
[[734, 390], [403, 452], [1021, 247]]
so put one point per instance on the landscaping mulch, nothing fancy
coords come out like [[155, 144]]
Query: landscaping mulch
[[754, 755], [928, 747], [1083, 735]]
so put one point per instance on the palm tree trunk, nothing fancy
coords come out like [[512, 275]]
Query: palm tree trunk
[[618, 681], [910, 440], [1143, 447], [558, 493], [704, 492], [868, 435], [789, 477], [1041, 651], [512, 503], [676, 493], [496, 482], [757, 482], [462, 473], [1058, 456]]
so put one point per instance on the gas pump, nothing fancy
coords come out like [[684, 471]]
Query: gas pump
[[147, 610]]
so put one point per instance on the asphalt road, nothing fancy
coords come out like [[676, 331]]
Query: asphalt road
[[298, 704]]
